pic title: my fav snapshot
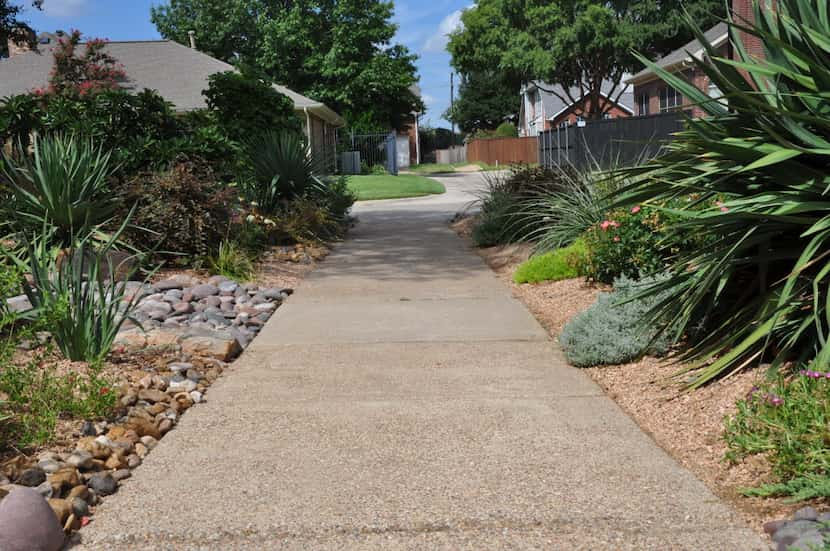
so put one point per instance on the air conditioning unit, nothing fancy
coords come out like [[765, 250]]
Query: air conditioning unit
[[350, 162]]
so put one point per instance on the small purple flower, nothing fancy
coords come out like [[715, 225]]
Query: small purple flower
[[752, 391], [774, 400]]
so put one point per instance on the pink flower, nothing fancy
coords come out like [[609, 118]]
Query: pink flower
[[724, 209], [605, 225], [616, 238], [635, 210]]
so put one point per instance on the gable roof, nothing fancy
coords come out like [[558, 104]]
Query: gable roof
[[177, 72], [555, 106], [716, 36]]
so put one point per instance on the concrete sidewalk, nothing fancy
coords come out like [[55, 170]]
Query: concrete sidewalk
[[402, 399]]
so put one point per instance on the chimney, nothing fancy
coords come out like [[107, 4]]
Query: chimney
[[192, 35], [20, 42]]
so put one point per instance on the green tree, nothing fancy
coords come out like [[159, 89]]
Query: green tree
[[10, 24], [485, 100], [336, 51], [576, 44], [245, 105]]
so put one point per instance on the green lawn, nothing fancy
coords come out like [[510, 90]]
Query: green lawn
[[393, 187], [435, 168]]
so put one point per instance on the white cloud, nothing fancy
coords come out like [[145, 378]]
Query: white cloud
[[428, 99], [438, 41], [64, 8]]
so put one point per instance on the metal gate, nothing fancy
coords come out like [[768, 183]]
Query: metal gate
[[367, 153]]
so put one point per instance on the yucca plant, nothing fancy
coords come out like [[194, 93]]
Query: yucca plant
[[755, 178], [78, 293], [62, 184], [281, 170]]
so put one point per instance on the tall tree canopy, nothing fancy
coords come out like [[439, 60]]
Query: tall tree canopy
[[485, 100], [576, 44], [336, 51], [10, 24]]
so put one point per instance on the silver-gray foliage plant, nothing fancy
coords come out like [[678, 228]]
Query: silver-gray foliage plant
[[614, 329]]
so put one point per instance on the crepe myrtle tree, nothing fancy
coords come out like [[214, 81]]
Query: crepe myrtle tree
[[11, 26]]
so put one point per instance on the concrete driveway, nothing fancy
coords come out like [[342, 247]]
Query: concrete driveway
[[402, 399]]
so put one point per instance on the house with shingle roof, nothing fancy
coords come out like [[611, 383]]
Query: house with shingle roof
[[545, 106], [179, 74], [652, 95]]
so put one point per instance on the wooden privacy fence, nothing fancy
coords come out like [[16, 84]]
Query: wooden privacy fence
[[611, 142], [503, 151]]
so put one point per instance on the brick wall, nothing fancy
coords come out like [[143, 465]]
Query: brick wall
[[743, 12]]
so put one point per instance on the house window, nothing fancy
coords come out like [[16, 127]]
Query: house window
[[642, 104], [670, 99], [715, 93]]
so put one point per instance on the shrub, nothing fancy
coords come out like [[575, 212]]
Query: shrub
[[183, 210], [244, 106], [611, 332], [499, 210], [62, 186], [759, 172], [506, 130], [137, 128], [786, 421], [564, 263], [231, 260], [625, 244]]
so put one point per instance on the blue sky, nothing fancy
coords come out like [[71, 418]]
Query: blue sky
[[422, 24]]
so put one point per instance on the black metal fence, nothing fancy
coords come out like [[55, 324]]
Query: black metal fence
[[618, 142], [366, 151]]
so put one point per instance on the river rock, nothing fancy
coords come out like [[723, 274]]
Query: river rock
[[153, 395], [62, 509], [169, 284], [204, 290], [28, 523], [80, 459], [103, 484], [32, 477]]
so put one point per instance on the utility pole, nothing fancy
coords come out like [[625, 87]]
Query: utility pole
[[452, 104]]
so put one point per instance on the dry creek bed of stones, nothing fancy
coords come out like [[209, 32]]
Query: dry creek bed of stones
[[199, 327]]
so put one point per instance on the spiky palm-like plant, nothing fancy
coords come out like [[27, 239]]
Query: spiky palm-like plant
[[62, 185], [757, 171]]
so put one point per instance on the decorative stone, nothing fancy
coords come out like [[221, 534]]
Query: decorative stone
[[65, 478], [62, 509], [168, 284], [80, 508], [806, 513], [81, 492], [28, 523], [179, 367], [32, 477], [103, 484], [143, 427], [121, 474], [133, 461], [46, 490], [185, 385], [88, 429], [203, 291], [80, 459], [153, 396], [196, 396]]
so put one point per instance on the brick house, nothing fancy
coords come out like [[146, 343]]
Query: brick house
[[652, 95], [542, 109]]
